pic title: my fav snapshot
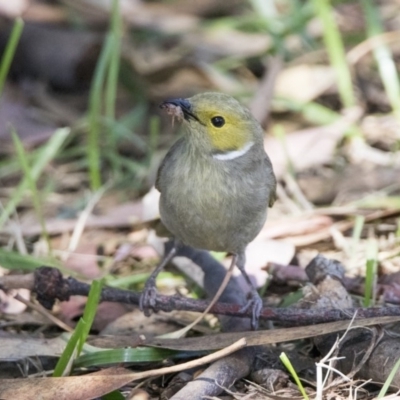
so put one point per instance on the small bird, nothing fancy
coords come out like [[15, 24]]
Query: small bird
[[216, 183]]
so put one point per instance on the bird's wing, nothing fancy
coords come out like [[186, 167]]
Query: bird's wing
[[167, 159], [159, 172], [271, 181]]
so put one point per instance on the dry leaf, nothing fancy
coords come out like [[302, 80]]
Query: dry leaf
[[13, 9], [304, 83], [123, 215], [308, 147], [259, 254], [84, 387]]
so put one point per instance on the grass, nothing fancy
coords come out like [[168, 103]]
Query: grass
[[78, 338], [10, 51], [383, 56], [105, 83], [371, 274], [31, 182], [114, 60], [46, 154], [16, 261], [95, 116], [288, 365], [335, 48], [389, 380]]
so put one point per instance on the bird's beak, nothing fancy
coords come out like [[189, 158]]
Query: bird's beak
[[180, 108]]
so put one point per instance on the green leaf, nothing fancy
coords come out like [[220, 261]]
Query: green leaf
[[129, 355]]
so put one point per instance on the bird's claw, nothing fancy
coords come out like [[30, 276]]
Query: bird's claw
[[147, 300], [255, 303]]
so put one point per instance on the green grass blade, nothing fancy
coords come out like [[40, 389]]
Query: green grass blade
[[335, 48], [95, 96], [115, 395], [383, 56], [389, 380], [10, 50], [312, 112], [16, 261], [112, 77], [371, 274], [64, 364], [23, 159], [112, 84], [78, 338], [154, 137], [369, 281], [106, 73], [357, 230], [103, 357], [288, 365], [358, 227], [48, 152], [90, 309]]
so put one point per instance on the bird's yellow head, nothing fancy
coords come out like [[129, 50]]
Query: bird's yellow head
[[216, 123]]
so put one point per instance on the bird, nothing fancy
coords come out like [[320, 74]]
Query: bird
[[216, 183]]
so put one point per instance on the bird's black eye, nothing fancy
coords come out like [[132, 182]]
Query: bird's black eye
[[218, 121]]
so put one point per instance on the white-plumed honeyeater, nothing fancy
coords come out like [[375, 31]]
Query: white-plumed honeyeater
[[216, 183]]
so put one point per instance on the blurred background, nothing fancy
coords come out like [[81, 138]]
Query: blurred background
[[81, 134]]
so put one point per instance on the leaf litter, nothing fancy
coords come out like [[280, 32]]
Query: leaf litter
[[329, 171]]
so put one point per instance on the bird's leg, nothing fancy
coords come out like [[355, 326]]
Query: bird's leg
[[255, 301], [148, 297]]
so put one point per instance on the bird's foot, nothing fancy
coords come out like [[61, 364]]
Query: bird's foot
[[147, 300], [255, 304]]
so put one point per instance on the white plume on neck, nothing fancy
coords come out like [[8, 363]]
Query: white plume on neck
[[231, 155]]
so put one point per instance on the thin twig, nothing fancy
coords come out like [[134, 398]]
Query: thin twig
[[81, 223], [240, 344], [41, 310]]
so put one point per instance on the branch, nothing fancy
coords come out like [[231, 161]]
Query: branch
[[49, 285]]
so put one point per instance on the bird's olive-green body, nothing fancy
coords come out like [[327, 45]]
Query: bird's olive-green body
[[216, 183]]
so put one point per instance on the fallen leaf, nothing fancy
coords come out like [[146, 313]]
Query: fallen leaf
[[122, 216], [304, 83], [231, 42], [13, 9], [84, 387], [10, 305], [260, 253], [308, 147], [295, 225], [107, 313], [19, 347]]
